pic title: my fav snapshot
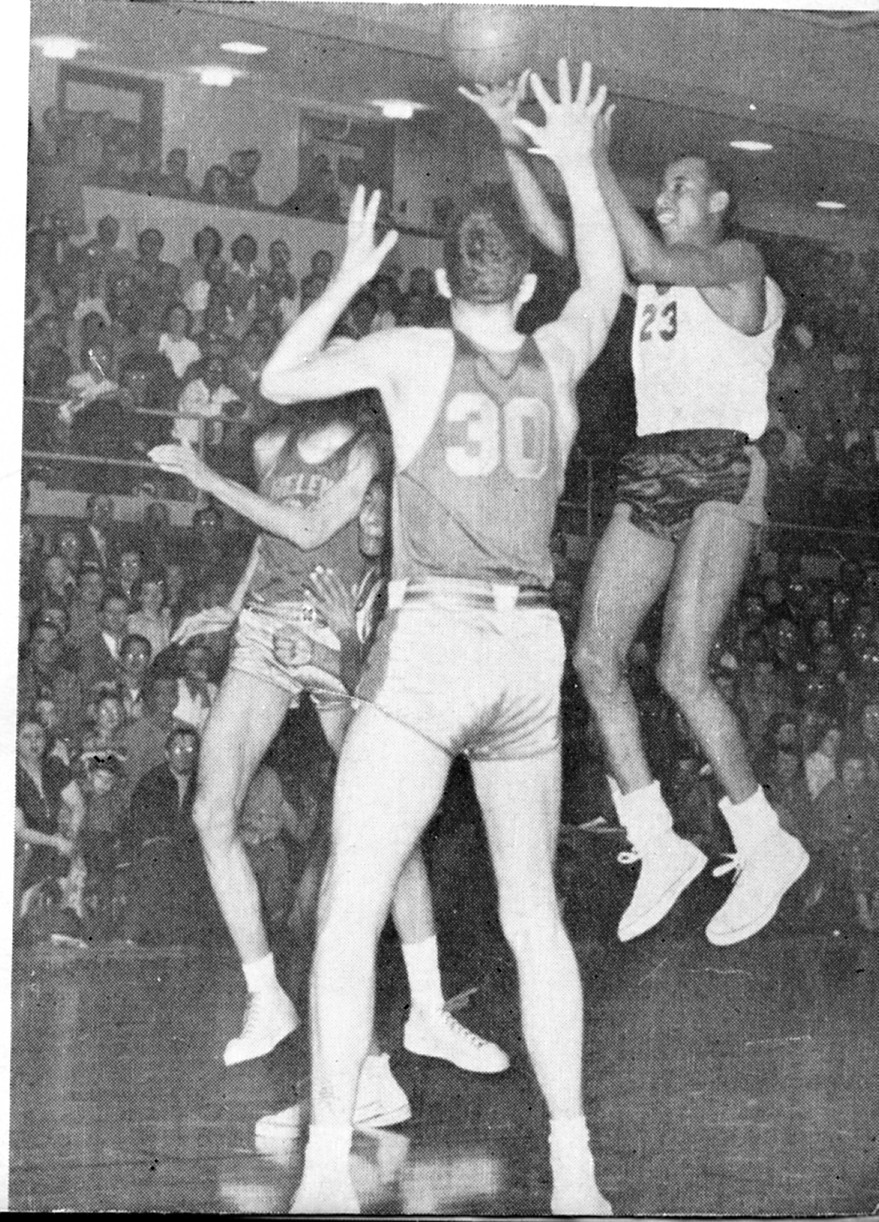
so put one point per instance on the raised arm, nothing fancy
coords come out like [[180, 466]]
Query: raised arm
[[649, 259], [299, 370], [307, 528], [500, 103], [568, 138]]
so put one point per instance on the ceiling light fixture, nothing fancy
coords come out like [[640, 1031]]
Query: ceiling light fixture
[[751, 146], [243, 48], [60, 47], [831, 205], [218, 74], [398, 108]]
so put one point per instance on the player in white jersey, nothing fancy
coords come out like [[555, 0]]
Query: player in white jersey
[[470, 658], [690, 496]]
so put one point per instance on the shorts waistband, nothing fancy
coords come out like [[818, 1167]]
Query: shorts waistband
[[499, 595], [703, 439]]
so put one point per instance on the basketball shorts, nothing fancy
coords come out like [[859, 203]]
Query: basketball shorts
[[254, 653], [473, 681], [668, 479]]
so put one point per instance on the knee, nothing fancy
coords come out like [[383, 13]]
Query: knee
[[599, 669], [527, 926], [215, 821], [682, 678]]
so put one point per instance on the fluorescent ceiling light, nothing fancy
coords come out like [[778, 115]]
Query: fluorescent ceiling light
[[831, 205], [751, 146], [398, 108], [243, 48], [218, 74], [60, 47]]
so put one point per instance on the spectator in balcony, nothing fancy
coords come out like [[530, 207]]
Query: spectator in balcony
[[243, 166], [99, 657], [42, 673], [175, 340], [195, 692], [174, 181], [115, 171], [88, 145], [85, 608], [205, 397], [317, 195], [152, 620], [217, 185], [63, 182], [207, 245]]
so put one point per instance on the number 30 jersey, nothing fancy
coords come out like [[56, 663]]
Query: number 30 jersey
[[478, 500], [695, 371]]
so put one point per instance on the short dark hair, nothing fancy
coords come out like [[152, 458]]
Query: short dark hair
[[134, 638], [487, 249]]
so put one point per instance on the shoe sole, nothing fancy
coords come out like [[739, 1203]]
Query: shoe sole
[[665, 904], [261, 1050], [382, 1119], [760, 922], [412, 1046]]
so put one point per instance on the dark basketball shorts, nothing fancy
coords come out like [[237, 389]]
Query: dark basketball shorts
[[475, 681], [668, 479], [254, 653]]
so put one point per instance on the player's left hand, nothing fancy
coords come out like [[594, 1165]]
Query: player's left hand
[[568, 136], [501, 103], [333, 601], [362, 257], [181, 460]]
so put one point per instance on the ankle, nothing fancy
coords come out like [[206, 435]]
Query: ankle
[[328, 1148], [260, 975], [643, 813], [749, 821]]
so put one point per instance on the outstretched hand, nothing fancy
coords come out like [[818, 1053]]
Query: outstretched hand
[[181, 460], [568, 136], [362, 257], [501, 104], [203, 623]]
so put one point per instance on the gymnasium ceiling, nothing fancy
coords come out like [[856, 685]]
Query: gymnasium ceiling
[[806, 82]]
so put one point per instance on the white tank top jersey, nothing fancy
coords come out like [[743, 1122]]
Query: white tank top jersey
[[695, 371]]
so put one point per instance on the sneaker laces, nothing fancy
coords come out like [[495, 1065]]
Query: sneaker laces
[[734, 865], [461, 1031], [252, 1015]]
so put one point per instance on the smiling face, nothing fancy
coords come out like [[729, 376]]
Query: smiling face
[[689, 208]]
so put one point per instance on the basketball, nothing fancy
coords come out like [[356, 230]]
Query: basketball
[[488, 43]]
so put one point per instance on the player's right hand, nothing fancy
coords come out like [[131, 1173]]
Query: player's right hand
[[501, 104], [214, 619], [362, 257], [568, 136]]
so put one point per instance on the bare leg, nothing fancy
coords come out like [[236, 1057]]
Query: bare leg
[[708, 573], [520, 801], [244, 719], [629, 571]]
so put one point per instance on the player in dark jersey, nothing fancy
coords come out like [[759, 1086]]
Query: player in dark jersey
[[469, 658], [689, 497], [313, 475]]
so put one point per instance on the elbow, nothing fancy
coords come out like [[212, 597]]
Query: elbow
[[271, 387]]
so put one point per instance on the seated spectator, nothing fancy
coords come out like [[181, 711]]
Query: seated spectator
[[317, 195], [283, 288], [245, 372], [207, 245], [312, 288], [323, 265], [195, 693], [149, 268], [213, 282], [105, 736], [104, 257], [145, 738], [99, 656], [206, 396], [58, 747], [169, 896], [47, 365], [49, 812], [42, 673], [176, 590], [174, 181], [762, 695], [784, 780], [105, 812], [85, 621], [387, 300], [217, 185], [243, 272], [359, 319], [58, 581], [159, 546], [152, 620], [135, 655], [69, 548], [864, 735], [128, 574], [243, 166], [96, 381], [175, 340], [821, 760]]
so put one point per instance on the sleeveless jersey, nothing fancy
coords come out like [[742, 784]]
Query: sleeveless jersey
[[478, 500], [282, 567], [695, 371]]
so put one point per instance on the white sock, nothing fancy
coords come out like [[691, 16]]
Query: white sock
[[328, 1147], [422, 971], [568, 1135], [643, 812], [750, 821], [260, 974]]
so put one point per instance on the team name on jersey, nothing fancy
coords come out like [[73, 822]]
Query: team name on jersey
[[300, 486]]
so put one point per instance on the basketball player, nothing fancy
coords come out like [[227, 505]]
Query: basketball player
[[469, 658], [312, 479], [689, 501]]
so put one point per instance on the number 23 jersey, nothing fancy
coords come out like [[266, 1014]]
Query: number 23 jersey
[[478, 500], [695, 371]]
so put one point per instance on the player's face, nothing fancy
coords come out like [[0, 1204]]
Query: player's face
[[373, 521], [682, 208]]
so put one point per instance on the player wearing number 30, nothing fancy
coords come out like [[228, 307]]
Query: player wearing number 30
[[469, 658], [689, 497]]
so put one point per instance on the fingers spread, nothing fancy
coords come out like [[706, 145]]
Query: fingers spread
[[564, 83], [540, 92], [598, 101], [585, 86]]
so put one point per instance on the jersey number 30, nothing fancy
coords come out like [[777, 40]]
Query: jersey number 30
[[520, 428]]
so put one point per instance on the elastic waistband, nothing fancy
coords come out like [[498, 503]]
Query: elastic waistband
[[496, 595], [702, 439]]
